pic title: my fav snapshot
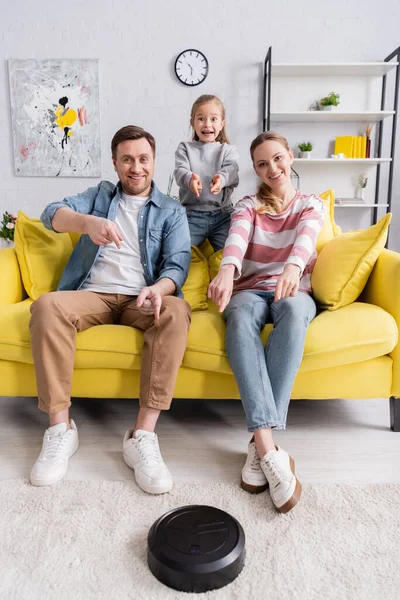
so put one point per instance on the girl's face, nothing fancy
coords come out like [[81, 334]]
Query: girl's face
[[272, 164], [208, 122]]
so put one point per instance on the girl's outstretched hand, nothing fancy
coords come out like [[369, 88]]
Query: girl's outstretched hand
[[288, 283], [220, 289], [195, 185], [216, 184]]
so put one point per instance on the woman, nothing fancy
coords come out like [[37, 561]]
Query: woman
[[265, 277]]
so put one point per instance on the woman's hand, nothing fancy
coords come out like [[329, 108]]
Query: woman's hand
[[195, 185], [288, 283], [220, 289]]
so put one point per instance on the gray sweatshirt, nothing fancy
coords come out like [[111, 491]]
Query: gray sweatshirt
[[206, 159]]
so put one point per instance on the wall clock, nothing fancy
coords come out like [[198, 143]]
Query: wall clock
[[191, 67]]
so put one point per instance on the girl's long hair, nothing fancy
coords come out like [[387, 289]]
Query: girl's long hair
[[269, 203], [207, 99]]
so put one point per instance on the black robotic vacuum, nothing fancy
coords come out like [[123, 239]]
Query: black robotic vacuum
[[196, 548]]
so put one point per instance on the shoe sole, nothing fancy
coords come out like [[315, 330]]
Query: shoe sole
[[148, 489], [43, 483], [295, 497], [253, 489]]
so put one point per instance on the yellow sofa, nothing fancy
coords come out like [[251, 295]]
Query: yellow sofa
[[351, 352]]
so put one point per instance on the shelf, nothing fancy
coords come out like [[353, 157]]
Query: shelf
[[341, 161], [331, 69], [316, 116], [358, 205]]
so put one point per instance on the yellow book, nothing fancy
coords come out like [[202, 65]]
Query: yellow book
[[356, 145], [344, 144], [363, 146]]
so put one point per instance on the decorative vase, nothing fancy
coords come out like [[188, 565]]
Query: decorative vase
[[305, 154], [368, 148], [361, 193]]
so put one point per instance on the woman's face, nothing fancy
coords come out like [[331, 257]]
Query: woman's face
[[272, 164]]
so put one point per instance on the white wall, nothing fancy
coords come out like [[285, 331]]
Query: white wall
[[137, 44]]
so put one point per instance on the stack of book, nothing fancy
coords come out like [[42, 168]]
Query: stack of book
[[343, 201], [352, 146]]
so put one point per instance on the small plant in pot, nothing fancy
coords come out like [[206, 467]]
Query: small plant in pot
[[330, 101], [305, 149]]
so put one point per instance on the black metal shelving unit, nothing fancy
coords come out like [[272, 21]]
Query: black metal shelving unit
[[394, 56]]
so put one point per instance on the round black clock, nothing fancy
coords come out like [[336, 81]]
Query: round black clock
[[191, 67]]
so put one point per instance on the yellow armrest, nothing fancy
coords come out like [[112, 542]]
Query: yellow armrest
[[383, 289], [11, 287]]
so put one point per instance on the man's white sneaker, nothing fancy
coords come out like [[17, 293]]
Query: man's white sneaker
[[142, 454], [253, 478], [59, 444], [284, 487]]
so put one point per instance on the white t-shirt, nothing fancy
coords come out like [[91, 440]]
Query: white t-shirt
[[119, 271]]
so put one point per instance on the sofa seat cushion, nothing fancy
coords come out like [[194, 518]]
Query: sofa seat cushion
[[103, 346], [352, 334]]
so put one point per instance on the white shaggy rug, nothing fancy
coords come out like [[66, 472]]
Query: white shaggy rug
[[88, 540]]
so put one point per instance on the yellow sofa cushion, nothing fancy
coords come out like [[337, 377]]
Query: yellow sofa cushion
[[329, 229], [352, 334], [345, 263], [196, 285], [42, 255], [349, 335]]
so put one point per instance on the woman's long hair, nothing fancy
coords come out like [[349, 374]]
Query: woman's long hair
[[207, 99], [269, 203]]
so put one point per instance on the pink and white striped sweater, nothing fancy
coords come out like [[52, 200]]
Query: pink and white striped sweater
[[259, 246]]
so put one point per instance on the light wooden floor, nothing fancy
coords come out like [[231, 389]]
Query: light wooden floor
[[332, 441]]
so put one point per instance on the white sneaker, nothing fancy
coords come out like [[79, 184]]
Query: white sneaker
[[58, 446], [284, 487], [253, 478], [142, 454]]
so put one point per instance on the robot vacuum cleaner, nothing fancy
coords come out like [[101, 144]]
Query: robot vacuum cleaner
[[196, 548]]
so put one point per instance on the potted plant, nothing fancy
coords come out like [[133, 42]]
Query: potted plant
[[330, 102], [305, 149], [7, 228], [362, 184]]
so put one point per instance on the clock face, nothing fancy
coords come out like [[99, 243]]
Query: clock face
[[191, 67]]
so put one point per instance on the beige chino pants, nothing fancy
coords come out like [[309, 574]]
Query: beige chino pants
[[58, 316]]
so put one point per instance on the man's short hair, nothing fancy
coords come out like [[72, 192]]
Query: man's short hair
[[131, 132]]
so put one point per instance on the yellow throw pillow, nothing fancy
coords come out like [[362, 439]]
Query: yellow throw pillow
[[42, 255], [329, 229], [345, 264], [214, 262], [196, 284]]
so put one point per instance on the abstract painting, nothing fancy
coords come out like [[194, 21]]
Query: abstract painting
[[55, 117]]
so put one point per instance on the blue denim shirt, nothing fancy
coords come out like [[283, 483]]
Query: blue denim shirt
[[164, 238]]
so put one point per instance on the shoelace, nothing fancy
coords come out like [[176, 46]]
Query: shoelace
[[255, 462], [274, 472], [149, 450], [54, 446]]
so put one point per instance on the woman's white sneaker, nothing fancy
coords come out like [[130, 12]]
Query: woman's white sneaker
[[253, 478], [285, 489], [142, 454], [59, 444]]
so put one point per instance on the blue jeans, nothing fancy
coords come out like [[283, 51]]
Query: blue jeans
[[213, 225], [265, 376]]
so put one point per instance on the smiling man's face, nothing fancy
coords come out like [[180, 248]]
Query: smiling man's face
[[134, 164]]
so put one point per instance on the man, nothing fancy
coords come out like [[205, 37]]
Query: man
[[128, 267]]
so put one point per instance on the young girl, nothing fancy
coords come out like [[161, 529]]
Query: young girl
[[266, 265], [206, 171]]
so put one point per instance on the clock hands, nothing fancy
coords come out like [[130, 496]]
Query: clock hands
[[190, 66]]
